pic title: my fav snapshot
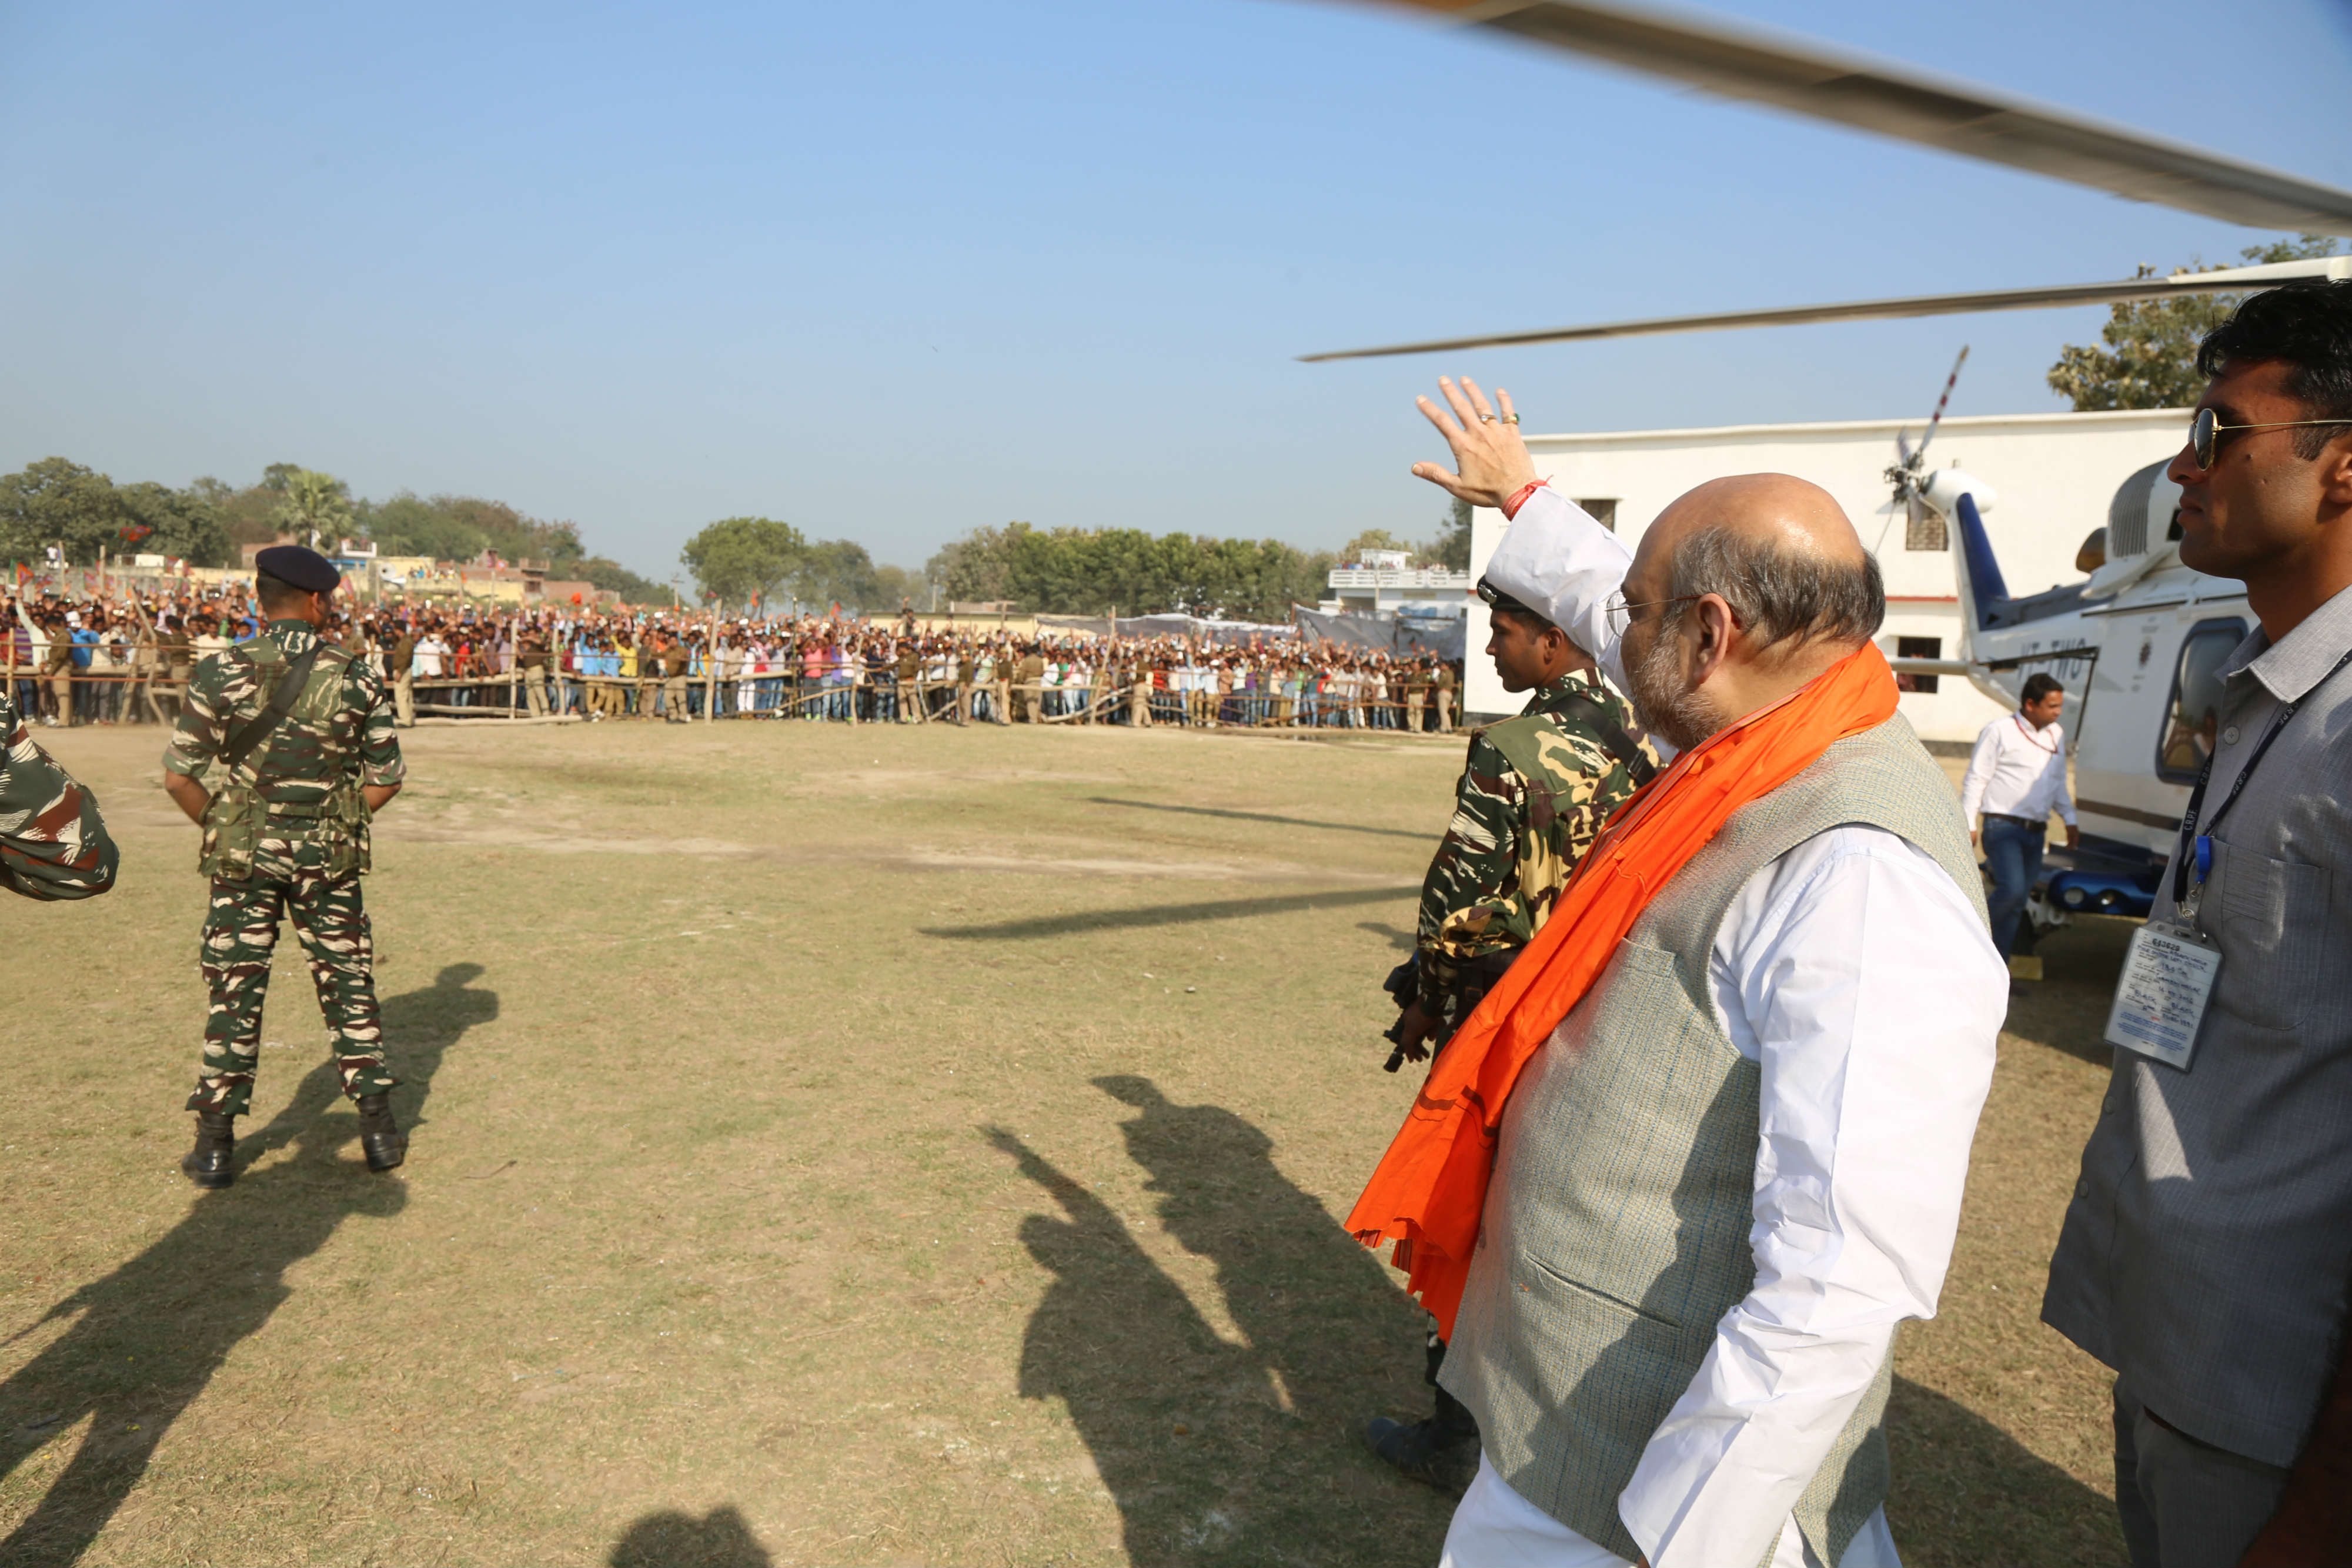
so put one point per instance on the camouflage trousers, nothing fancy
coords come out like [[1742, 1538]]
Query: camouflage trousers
[[240, 932]]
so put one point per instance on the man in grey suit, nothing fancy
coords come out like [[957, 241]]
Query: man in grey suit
[[2207, 1250]]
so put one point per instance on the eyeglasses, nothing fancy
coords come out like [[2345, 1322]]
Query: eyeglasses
[[2205, 431], [1621, 615]]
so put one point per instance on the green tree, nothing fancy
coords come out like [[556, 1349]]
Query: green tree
[[837, 571], [895, 585], [978, 568], [1089, 571], [615, 577], [247, 515], [54, 501], [314, 508], [179, 523], [1374, 538], [460, 527], [1451, 548], [2150, 357], [736, 558]]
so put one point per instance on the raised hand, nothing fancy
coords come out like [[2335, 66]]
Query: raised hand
[[1490, 460]]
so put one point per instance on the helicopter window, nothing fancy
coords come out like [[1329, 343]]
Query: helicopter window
[[2196, 710], [1917, 648], [1602, 510]]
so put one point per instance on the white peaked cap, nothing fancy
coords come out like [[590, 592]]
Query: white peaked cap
[[1554, 559]]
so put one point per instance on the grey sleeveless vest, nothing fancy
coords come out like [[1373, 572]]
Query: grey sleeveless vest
[[1615, 1234]]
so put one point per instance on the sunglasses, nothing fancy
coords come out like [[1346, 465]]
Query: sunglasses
[[2205, 431]]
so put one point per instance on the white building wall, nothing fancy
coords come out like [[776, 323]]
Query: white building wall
[[2054, 473]]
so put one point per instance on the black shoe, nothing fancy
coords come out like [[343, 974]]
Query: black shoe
[[1427, 1452], [213, 1162], [380, 1135]]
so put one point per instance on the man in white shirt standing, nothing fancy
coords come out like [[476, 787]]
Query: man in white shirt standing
[[2016, 778], [1679, 1346]]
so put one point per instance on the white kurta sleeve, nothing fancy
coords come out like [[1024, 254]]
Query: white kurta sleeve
[[1981, 762], [1554, 541], [2065, 797], [1859, 977]]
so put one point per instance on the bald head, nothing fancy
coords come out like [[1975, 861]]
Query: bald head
[[1778, 550], [1759, 584]]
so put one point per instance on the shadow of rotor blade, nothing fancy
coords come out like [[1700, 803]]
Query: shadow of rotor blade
[[1170, 913], [1414, 834]]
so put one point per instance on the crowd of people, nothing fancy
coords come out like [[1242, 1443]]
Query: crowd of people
[[1698, 1149], [124, 658]]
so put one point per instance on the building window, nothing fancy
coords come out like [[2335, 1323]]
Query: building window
[[2196, 710], [1601, 509], [1917, 648], [1925, 529]]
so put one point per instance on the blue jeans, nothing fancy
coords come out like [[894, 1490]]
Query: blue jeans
[[2013, 854]]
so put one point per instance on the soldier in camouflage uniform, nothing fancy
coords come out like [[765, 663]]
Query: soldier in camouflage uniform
[[53, 844], [1536, 791], [286, 833]]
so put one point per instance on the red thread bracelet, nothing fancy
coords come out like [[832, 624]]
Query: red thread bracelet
[[1519, 497]]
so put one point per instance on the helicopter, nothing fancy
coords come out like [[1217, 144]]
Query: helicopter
[[2139, 641]]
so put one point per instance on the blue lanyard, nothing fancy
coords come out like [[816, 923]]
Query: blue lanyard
[[2201, 845]]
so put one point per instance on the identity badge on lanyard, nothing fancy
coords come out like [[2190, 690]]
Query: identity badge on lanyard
[[2170, 970], [2160, 1000]]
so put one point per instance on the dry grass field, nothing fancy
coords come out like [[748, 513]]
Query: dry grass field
[[875, 1147]]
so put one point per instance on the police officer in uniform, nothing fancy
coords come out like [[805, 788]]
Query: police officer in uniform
[[967, 676], [676, 664], [1534, 792], [176, 655], [530, 655], [907, 692], [298, 738]]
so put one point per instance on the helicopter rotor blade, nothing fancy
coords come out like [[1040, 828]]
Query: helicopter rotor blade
[[1805, 78], [1938, 417], [2221, 280]]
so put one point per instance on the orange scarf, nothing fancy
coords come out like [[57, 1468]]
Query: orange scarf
[[1430, 1190]]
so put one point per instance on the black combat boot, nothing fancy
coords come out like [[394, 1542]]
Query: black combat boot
[[213, 1162], [380, 1135]]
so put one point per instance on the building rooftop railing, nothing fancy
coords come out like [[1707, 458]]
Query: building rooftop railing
[[1418, 577]]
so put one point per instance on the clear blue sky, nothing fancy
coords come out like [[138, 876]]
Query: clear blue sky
[[892, 272]]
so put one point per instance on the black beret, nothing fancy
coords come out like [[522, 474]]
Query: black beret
[[304, 568]]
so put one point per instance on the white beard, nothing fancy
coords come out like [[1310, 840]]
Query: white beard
[[1680, 715]]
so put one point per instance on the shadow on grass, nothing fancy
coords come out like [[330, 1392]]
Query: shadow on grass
[[719, 1539], [1170, 913], [1418, 835], [1967, 1494], [147, 1337], [1216, 1451], [2068, 1008]]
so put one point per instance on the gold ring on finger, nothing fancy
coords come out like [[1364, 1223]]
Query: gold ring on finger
[[1510, 419]]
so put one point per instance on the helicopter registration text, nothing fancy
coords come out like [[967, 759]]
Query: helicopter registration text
[[2168, 975]]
